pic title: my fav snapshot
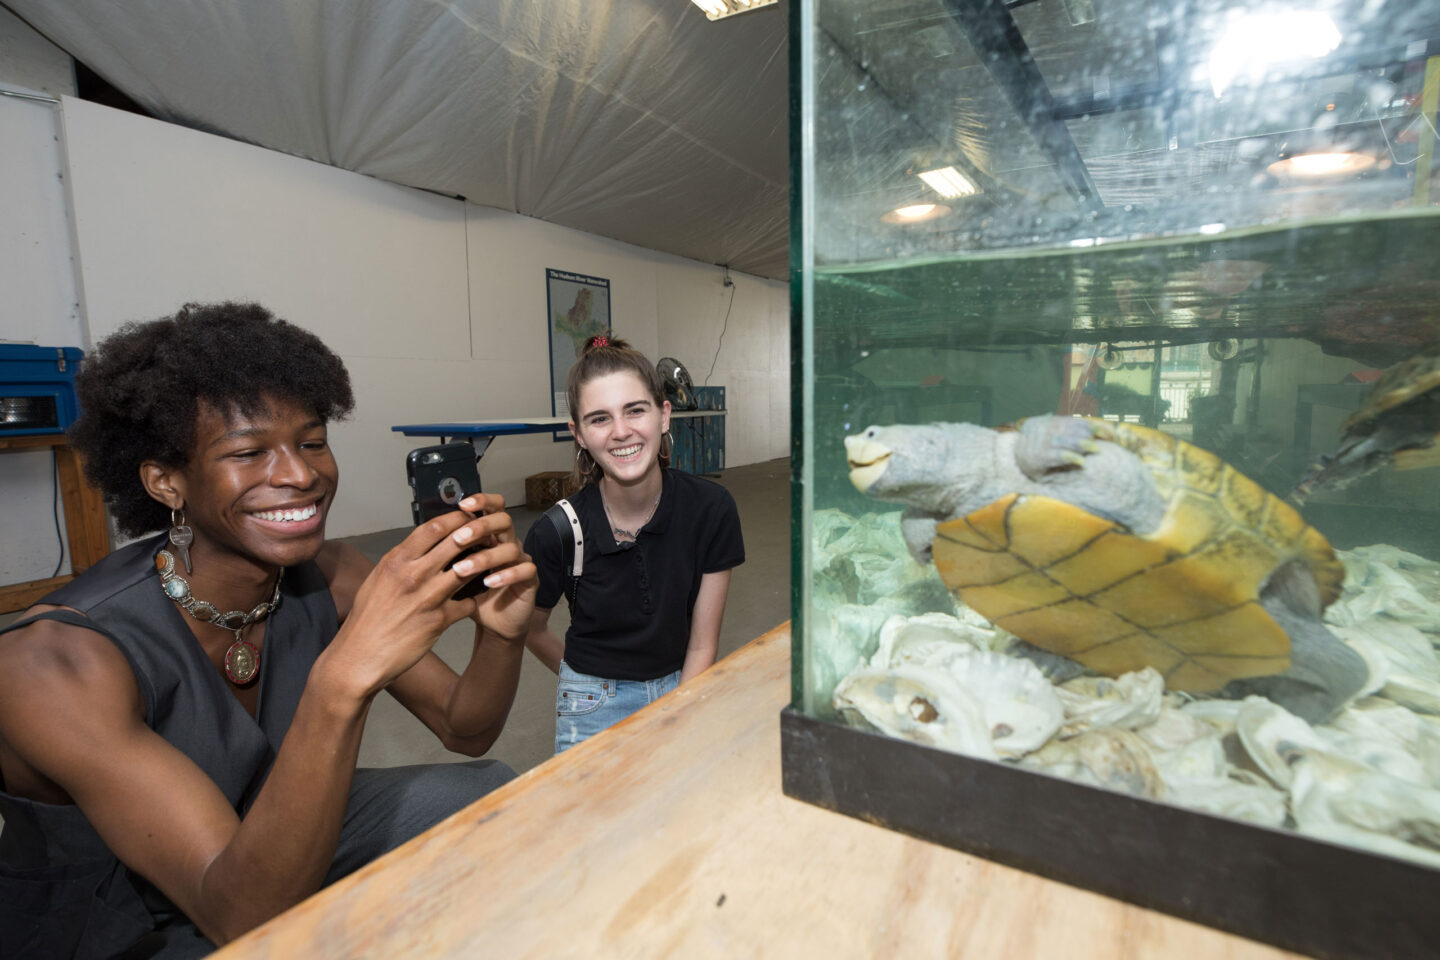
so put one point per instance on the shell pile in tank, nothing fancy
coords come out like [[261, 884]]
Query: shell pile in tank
[[863, 575], [1370, 777]]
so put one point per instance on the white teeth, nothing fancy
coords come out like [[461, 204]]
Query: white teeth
[[626, 451], [304, 513]]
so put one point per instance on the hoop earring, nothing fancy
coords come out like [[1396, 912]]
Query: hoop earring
[[667, 452], [585, 465], [181, 535]]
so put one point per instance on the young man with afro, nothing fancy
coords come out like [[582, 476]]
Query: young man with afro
[[179, 725]]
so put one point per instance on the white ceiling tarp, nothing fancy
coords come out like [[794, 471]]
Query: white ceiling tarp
[[633, 119]]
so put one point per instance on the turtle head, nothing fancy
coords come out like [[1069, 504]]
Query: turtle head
[[918, 465]]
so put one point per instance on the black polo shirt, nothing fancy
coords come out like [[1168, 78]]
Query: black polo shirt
[[633, 601]]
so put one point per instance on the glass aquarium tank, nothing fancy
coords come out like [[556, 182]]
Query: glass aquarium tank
[[1117, 393]]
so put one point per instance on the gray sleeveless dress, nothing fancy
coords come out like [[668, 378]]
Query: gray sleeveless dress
[[64, 894]]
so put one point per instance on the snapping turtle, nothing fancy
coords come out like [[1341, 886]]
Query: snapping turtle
[[1120, 547], [1398, 424]]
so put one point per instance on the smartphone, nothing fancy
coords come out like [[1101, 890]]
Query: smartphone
[[440, 477]]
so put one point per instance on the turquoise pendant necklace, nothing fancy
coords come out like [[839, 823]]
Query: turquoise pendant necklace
[[242, 659]]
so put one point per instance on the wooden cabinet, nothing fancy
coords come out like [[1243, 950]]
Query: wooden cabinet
[[86, 532]]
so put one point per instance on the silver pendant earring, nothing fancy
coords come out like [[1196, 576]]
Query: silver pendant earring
[[181, 536]]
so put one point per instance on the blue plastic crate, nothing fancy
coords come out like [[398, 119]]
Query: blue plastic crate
[[700, 441], [709, 398], [37, 389]]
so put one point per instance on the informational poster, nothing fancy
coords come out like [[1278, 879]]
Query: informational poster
[[579, 308]]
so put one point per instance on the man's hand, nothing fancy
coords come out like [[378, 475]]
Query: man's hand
[[406, 602], [504, 610]]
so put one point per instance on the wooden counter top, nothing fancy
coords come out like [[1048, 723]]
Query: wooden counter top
[[668, 836]]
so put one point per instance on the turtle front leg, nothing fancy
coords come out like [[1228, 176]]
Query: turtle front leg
[[918, 529], [1047, 444]]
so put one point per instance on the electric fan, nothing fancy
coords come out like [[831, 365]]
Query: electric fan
[[679, 388]]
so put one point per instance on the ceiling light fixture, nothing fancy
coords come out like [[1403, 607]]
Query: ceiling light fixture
[[1314, 166], [720, 9], [1254, 41], [916, 213], [949, 183]]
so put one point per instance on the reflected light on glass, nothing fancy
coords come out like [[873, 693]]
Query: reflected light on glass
[[720, 9], [916, 213], [1254, 41], [949, 183], [1314, 166]]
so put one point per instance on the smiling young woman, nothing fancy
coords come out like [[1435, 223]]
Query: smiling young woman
[[179, 724], [659, 547]]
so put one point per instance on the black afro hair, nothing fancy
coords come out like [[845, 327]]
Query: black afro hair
[[141, 388]]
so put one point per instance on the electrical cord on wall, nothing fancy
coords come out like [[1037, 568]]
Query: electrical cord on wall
[[723, 327], [55, 510]]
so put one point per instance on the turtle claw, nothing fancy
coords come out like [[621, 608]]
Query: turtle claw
[[1049, 443]]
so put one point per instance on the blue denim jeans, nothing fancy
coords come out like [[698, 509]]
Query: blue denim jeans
[[585, 705]]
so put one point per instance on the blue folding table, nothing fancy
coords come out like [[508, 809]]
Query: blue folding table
[[481, 433]]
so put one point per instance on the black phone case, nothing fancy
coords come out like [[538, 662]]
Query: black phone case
[[440, 477]]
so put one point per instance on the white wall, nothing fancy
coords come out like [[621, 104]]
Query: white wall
[[28, 61], [166, 215], [437, 306], [37, 276], [737, 337]]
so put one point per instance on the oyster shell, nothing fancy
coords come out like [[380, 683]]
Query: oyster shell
[[1220, 714], [1107, 757], [1202, 759], [1020, 707], [1389, 737], [1335, 796], [1231, 797], [1383, 736], [938, 679], [1129, 701], [923, 706], [1275, 738], [1412, 672], [1377, 584], [927, 639]]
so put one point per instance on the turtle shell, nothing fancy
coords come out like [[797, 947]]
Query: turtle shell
[[1183, 598], [1402, 383]]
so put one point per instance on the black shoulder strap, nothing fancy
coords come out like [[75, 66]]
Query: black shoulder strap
[[563, 518]]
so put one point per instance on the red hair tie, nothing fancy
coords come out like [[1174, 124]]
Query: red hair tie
[[600, 341]]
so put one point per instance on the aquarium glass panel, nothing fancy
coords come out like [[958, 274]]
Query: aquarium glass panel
[[1118, 393]]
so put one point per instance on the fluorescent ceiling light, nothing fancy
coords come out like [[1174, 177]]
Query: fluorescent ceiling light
[[1254, 41], [1317, 165], [949, 183], [720, 9], [916, 213]]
